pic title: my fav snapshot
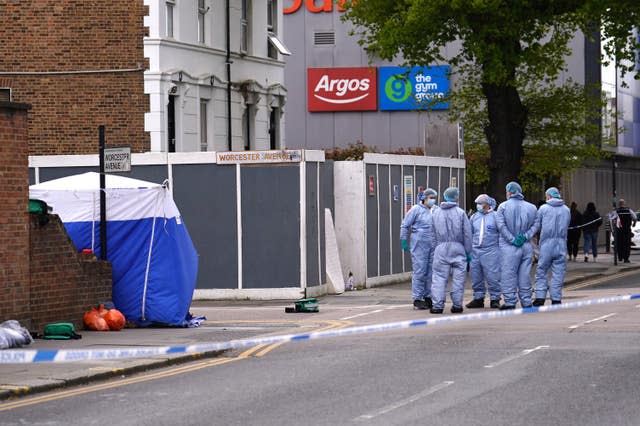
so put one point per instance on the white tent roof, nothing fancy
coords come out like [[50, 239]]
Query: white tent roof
[[90, 181]]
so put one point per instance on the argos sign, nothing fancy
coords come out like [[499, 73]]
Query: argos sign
[[342, 89]]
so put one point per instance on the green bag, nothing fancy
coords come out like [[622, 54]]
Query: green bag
[[60, 331]]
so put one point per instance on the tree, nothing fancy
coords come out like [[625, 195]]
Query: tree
[[504, 43]]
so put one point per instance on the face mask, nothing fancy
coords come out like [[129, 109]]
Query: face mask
[[431, 202], [480, 207]]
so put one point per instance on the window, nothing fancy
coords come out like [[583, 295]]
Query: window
[[247, 126], [5, 95], [203, 125], [202, 10], [170, 5], [272, 26], [245, 22], [274, 44], [274, 128]]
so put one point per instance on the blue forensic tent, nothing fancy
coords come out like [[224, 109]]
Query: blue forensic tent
[[154, 262]]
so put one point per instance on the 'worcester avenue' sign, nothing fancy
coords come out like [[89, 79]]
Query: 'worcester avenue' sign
[[258, 157], [117, 160]]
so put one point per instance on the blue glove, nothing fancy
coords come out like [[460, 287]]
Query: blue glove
[[469, 257], [404, 244]]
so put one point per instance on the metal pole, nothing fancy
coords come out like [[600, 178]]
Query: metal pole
[[228, 64], [103, 199], [614, 230]]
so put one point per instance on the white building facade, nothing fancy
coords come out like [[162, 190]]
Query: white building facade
[[200, 69]]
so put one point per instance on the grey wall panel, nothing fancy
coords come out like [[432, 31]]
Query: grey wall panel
[[396, 219], [270, 224], [372, 224], [312, 225], [376, 130], [348, 128], [157, 174], [326, 173], [445, 176], [385, 225], [210, 216], [406, 171], [433, 181], [51, 173], [421, 179]]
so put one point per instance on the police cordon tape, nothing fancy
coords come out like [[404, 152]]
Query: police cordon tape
[[16, 356]]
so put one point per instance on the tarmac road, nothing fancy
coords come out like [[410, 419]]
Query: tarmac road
[[578, 366]]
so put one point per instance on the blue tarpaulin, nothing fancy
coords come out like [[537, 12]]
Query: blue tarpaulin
[[153, 259]]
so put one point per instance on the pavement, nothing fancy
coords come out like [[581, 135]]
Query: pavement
[[229, 320]]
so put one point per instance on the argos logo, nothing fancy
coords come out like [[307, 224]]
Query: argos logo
[[342, 89]]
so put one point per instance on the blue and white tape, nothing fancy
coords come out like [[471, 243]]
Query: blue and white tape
[[16, 356]]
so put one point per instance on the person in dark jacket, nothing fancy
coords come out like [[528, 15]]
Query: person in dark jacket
[[591, 220], [573, 235], [626, 219]]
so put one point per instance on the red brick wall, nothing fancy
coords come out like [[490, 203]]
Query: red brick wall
[[76, 35], [14, 217], [64, 283]]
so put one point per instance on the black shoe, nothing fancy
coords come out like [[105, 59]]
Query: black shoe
[[538, 302], [627, 261], [456, 309], [475, 304], [556, 302], [419, 304], [495, 304], [436, 311], [428, 302], [507, 307], [586, 259]]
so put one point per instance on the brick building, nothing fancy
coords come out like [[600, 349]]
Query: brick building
[[79, 63]]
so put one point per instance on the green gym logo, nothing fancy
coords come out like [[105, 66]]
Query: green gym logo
[[398, 88]]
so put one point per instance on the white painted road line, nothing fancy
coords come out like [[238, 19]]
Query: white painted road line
[[514, 357], [403, 402], [573, 327], [362, 314], [376, 311]]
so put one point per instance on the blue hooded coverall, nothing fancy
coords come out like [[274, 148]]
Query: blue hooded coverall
[[418, 223], [553, 222], [516, 217], [453, 243], [485, 264]]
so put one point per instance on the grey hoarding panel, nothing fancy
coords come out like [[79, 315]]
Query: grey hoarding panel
[[396, 220], [372, 223], [421, 180], [206, 197], [51, 173], [406, 171], [433, 180], [270, 226], [385, 239], [157, 174], [32, 176], [445, 175], [312, 225], [326, 202]]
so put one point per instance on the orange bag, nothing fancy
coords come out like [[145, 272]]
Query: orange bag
[[115, 320], [93, 321]]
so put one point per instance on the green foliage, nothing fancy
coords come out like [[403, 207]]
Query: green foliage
[[353, 152], [498, 44], [560, 120]]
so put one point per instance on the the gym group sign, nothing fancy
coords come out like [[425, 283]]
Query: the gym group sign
[[342, 89], [390, 88], [414, 88]]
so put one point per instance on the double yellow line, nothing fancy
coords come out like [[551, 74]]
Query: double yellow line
[[256, 351]]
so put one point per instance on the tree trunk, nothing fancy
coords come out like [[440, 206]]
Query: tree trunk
[[505, 134]]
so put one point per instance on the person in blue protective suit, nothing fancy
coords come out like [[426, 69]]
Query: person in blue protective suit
[[553, 222], [516, 223], [431, 199], [485, 262], [452, 252], [416, 234]]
